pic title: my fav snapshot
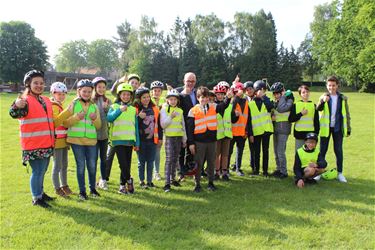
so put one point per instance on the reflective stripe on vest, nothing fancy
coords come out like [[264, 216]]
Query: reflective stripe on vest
[[156, 129], [37, 128], [85, 127], [281, 117], [239, 128], [307, 157], [224, 125], [261, 120], [204, 121], [325, 120], [123, 128], [60, 131], [175, 128], [306, 122]]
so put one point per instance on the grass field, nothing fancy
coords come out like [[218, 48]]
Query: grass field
[[245, 213]]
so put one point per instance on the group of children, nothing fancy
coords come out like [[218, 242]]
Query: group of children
[[140, 119]]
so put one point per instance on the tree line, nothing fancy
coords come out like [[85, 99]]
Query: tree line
[[339, 42]]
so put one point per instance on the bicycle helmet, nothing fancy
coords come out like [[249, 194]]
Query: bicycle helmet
[[58, 87], [224, 83], [125, 87], [99, 79], [220, 89], [312, 136], [140, 91], [85, 83], [29, 75], [277, 87], [330, 174], [258, 85], [173, 92], [249, 84], [156, 84], [135, 76]]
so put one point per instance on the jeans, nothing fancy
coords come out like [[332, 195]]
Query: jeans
[[39, 169], [146, 155], [157, 159], [279, 147], [337, 147], [240, 145], [110, 156], [60, 167], [102, 146], [85, 155]]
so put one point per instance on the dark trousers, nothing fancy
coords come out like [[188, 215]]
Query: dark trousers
[[261, 141], [110, 156], [252, 155], [124, 156], [337, 147], [184, 158], [102, 146], [240, 145]]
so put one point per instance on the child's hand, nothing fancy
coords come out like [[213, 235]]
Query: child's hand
[[136, 148], [325, 98], [192, 149], [20, 102], [71, 108], [174, 114], [123, 108], [106, 104], [300, 183], [81, 115], [237, 113], [260, 93], [142, 114], [304, 111], [313, 165], [273, 117], [251, 139], [93, 116], [160, 143], [184, 144], [230, 93]]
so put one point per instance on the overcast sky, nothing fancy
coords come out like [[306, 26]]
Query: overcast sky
[[56, 22]]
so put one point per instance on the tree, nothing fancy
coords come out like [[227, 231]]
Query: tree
[[20, 51], [125, 32], [102, 54], [72, 56], [289, 68], [309, 64]]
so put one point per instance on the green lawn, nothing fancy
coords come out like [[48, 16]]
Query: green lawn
[[245, 213]]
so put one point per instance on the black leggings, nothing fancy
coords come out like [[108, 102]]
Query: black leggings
[[124, 156], [264, 142]]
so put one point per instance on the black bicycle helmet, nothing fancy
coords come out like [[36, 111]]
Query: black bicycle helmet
[[258, 85], [277, 87], [312, 136], [249, 84], [29, 75], [140, 91]]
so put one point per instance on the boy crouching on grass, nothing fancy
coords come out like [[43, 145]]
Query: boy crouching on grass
[[201, 133], [308, 162]]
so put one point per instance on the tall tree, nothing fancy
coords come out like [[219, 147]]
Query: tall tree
[[102, 54], [309, 64], [20, 51], [72, 56], [124, 32]]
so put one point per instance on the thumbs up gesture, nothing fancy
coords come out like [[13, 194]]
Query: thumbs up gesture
[[105, 104], [81, 115], [93, 116], [20, 102], [142, 114], [304, 111]]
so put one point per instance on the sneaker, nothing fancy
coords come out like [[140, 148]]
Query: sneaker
[[197, 189], [150, 184], [94, 193], [341, 178], [67, 190], [217, 177], [255, 173], [41, 203], [176, 183], [157, 177], [211, 186], [122, 190], [318, 177], [46, 197], [225, 177], [60, 192], [130, 186], [283, 176], [83, 196], [240, 172], [233, 167], [102, 184], [167, 188], [181, 178], [276, 173], [143, 185], [204, 174], [265, 174]]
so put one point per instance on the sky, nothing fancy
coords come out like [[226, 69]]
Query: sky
[[57, 22]]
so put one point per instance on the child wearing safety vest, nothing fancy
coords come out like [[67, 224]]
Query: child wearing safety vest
[[305, 116], [103, 104], [335, 121], [261, 126], [135, 81], [173, 123], [123, 134], [308, 161], [202, 132], [282, 127], [34, 113], [240, 125], [156, 91], [60, 155], [149, 133], [82, 136], [223, 135], [250, 93]]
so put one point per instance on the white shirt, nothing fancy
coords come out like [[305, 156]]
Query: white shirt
[[334, 99]]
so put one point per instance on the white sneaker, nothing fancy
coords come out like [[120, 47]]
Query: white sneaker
[[103, 184], [341, 178], [318, 177], [157, 177]]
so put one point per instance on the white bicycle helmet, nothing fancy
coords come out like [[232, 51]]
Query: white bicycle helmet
[[156, 84], [58, 87]]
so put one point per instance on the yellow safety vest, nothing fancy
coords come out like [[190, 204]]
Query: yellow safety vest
[[224, 125], [175, 128], [306, 122], [261, 121], [325, 119], [307, 157]]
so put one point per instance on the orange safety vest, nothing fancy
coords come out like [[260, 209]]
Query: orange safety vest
[[239, 128], [36, 128], [204, 121], [60, 131], [156, 129]]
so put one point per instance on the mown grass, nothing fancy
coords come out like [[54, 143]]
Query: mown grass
[[245, 213]]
